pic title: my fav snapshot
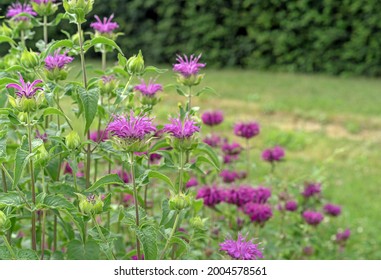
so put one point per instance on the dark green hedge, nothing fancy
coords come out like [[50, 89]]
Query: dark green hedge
[[328, 36]]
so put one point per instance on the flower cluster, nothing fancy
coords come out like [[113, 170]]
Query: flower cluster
[[149, 89], [25, 89], [241, 249], [58, 60], [273, 155], [212, 118], [106, 26], [18, 8], [181, 129], [188, 66], [247, 130], [311, 189], [313, 218]]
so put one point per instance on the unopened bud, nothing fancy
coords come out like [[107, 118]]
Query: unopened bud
[[91, 204], [192, 80], [197, 222], [28, 104], [73, 140], [29, 59], [179, 202], [135, 64], [79, 8]]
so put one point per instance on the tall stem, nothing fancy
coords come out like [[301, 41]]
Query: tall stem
[[104, 58], [110, 254], [22, 38], [4, 180], [33, 188], [9, 247], [247, 158], [43, 228], [132, 165], [170, 235], [45, 27], [189, 99]]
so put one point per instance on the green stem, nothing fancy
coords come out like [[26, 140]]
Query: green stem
[[181, 171], [33, 187], [22, 38], [109, 191], [171, 235], [43, 228], [104, 58], [45, 27], [4, 181], [247, 158], [9, 247], [189, 99], [136, 202], [110, 254]]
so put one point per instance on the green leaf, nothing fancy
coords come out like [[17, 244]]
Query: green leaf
[[57, 202], [10, 199], [56, 45], [26, 254], [162, 177], [122, 60], [22, 157], [7, 80], [153, 69], [202, 159], [104, 41], [5, 39], [148, 238], [206, 90], [162, 143], [89, 100], [76, 250], [206, 149], [4, 253], [106, 180], [53, 111]]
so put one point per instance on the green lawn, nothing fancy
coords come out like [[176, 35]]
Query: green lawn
[[330, 127]]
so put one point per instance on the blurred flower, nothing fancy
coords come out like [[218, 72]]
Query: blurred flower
[[259, 213], [43, 137], [127, 199], [332, 210], [135, 257], [313, 218], [122, 175], [232, 149], [192, 182], [308, 251], [188, 67], [149, 89], [212, 140], [212, 118], [291, 205], [99, 136], [229, 176], [18, 8], [131, 127], [274, 154], [241, 249], [311, 189], [43, 1], [181, 129], [211, 195], [69, 170], [57, 60], [342, 237], [245, 194], [154, 158], [229, 159], [27, 89], [247, 130], [105, 26]]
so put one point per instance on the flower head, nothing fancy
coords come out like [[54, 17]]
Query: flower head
[[105, 26], [332, 209], [122, 175], [99, 136], [311, 189], [241, 249], [229, 176], [313, 218], [212, 118], [211, 195], [187, 67], [274, 154], [181, 129], [57, 60], [291, 205], [69, 170], [43, 137], [149, 89], [212, 140], [258, 213], [231, 149], [192, 182], [247, 130], [131, 127], [342, 237], [27, 89], [18, 8]]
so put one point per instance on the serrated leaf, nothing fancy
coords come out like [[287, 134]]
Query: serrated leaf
[[22, 157], [162, 177], [10, 199], [89, 100], [57, 202], [106, 180], [148, 238], [206, 149], [26, 254], [202, 159], [76, 250]]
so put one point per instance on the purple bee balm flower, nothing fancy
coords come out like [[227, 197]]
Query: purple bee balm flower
[[229, 159], [105, 26], [131, 127], [99, 136], [311, 189], [212, 118], [261, 195], [229, 176], [57, 60], [247, 130], [291, 205], [127, 200], [122, 175], [188, 67], [211, 195], [274, 154], [332, 209], [69, 170], [241, 249], [149, 89], [18, 8], [258, 213], [192, 182], [43, 137], [232, 149], [212, 140], [181, 129], [27, 89], [342, 237], [154, 158], [313, 218]]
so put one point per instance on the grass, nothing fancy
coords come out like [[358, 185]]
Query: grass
[[330, 127]]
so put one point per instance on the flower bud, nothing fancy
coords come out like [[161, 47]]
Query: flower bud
[[107, 85], [183, 144], [56, 74], [192, 80], [42, 155], [29, 59], [28, 104], [197, 222], [135, 64], [149, 100], [91, 204], [73, 140], [179, 202], [3, 219], [79, 8], [45, 9]]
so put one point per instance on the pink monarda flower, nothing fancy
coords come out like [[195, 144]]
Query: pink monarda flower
[[291, 205], [241, 249], [149, 89], [229, 176], [212, 140], [27, 89], [57, 60], [187, 67], [231, 149], [69, 170], [342, 237], [181, 129], [211, 195], [258, 213], [313, 218], [311, 189], [247, 130], [105, 26], [192, 182], [18, 8], [212, 118], [131, 127], [99, 136], [332, 209], [273, 155]]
